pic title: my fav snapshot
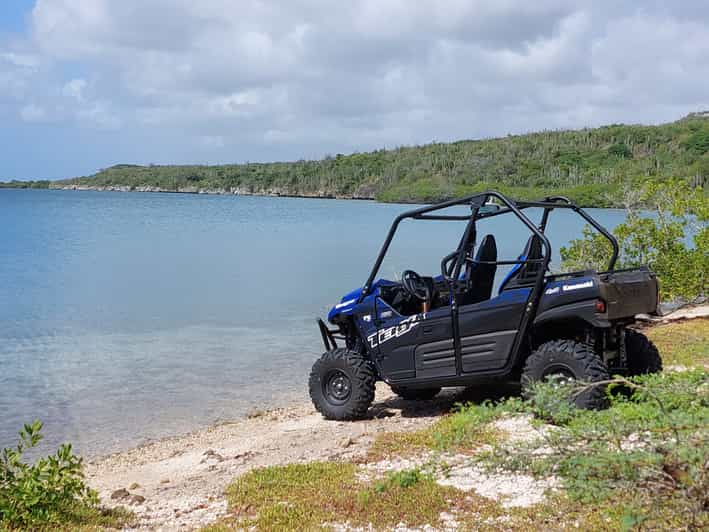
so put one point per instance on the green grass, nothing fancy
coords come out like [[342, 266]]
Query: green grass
[[306, 496], [684, 343], [313, 496], [648, 448], [466, 428], [559, 512]]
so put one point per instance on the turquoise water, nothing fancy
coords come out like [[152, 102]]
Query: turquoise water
[[127, 317]]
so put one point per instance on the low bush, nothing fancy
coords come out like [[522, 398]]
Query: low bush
[[50, 493], [650, 448]]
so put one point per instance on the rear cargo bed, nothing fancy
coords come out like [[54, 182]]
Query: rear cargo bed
[[629, 292]]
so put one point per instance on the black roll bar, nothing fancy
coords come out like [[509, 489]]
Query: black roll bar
[[410, 214], [604, 232], [475, 201]]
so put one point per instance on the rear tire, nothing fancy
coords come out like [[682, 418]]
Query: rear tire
[[568, 359], [643, 356], [415, 394], [342, 384]]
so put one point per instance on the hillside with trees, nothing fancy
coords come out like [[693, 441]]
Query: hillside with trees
[[589, 165]]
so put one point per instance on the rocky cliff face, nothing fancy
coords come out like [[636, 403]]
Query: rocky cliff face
[[236, 191]]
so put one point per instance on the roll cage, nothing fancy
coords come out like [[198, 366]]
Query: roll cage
[[477, 202]]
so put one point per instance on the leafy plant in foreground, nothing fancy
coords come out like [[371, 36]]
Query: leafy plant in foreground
[[51, 491], [648, 449], [403, 479]]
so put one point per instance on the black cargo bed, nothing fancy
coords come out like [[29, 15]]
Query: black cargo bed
[[629, 292]]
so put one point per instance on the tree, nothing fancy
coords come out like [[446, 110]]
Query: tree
[[673, 239]]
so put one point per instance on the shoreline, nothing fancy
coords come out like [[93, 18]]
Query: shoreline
[[272, 193], [283, 403], [178, 482]]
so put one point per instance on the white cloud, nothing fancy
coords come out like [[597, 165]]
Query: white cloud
[[20, 59], [75, 89], [17, 67], [305, 77], [32, 113], [99, 114]]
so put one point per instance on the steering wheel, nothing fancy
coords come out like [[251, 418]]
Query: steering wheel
[[415, 285]]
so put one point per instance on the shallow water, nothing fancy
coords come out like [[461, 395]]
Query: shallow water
[[126, 317]]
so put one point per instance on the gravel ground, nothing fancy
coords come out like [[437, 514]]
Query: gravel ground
[[178, 483]]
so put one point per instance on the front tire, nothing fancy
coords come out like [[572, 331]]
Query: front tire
[[415, 394], [568, 359], [643, 356], [342, 385]]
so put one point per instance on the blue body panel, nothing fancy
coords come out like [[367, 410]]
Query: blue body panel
[[348, 303]]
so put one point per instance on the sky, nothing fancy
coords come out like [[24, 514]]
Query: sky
[[85, 84]]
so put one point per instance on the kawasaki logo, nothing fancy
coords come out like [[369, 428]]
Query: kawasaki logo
[[568, 288], [578, 286]]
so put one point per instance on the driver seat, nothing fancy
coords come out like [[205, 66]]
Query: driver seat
[[480, 277]]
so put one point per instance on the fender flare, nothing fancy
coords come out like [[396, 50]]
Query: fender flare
[[578, 311]]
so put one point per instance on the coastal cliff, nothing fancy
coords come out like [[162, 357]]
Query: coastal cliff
[[235, 191]]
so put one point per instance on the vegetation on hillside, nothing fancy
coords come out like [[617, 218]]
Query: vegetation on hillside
[[589, 165], [26, 184]]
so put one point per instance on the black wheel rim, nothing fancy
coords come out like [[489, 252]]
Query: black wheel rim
[[338, 387]]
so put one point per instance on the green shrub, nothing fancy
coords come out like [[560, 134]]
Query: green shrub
[[649, 448], [621, 151], [698, 142], [49, 492], [552, 401], [660, 239], [402, 479]]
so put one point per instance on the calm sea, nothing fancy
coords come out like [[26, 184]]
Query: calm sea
[[127, 317]]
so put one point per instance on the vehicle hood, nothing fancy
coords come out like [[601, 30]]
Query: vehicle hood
[[349, 301]]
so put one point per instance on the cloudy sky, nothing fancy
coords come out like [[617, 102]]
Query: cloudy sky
[[85, 84]]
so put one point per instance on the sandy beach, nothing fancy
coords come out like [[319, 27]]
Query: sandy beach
[[178, 483]]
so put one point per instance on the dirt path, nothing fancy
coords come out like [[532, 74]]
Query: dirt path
[[178, 483]]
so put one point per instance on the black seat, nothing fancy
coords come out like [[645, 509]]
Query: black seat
[[480, 277], [525, 273]]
